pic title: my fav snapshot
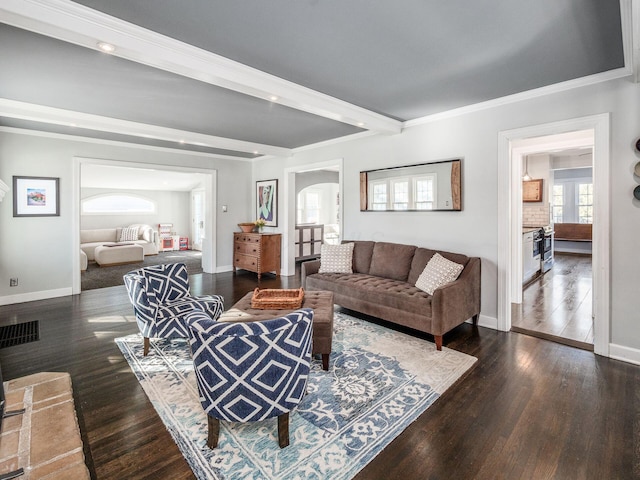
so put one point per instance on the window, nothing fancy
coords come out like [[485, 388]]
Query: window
[[416, 192], [117, 203], [308, 207], [379, 195], [557, 203], [585, 203], [400, 193], [424, 188], [572, 200]]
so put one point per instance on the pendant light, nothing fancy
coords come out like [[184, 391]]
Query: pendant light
[[526, 177]]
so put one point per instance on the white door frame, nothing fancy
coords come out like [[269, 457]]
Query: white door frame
[[289, 210], [208, 246], [510, 218], [195, 243]]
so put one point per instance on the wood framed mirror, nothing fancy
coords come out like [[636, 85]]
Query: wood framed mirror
[[434, 186]]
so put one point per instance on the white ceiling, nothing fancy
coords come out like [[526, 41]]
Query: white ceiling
[[252, 78]]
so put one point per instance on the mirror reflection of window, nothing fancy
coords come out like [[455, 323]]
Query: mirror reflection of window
[[420, 187]]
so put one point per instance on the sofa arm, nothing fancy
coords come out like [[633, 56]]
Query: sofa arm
[[456, 302], [308, 268]]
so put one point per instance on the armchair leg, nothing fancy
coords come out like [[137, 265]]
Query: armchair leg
[[147, 344], [214, 432], [438, 339], [283, 430]]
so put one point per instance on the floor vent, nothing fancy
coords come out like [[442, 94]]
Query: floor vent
[[19, 333]]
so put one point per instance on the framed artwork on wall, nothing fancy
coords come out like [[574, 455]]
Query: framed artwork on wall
[[36, 197], [267, 202]]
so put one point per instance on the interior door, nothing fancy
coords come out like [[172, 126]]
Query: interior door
[[197, 215]]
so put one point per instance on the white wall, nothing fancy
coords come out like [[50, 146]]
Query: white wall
[[171, 207], [473, 231], [38, 250]]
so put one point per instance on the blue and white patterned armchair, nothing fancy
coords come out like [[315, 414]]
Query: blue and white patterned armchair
[[161, 299], [251, 371]]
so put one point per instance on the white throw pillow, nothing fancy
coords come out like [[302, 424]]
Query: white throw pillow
[[438, 272], [129, 234], [336, 258]]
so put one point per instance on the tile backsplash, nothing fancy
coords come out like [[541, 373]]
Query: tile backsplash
[[536, 215]]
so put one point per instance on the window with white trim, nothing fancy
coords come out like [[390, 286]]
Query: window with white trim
[[416, 192], [572, 200]]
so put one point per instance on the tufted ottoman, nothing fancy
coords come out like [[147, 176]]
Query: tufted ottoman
[[119, 254], [319, 301]]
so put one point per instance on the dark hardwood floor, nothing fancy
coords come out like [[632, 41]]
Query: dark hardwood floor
[[530, 409], [558, 305]]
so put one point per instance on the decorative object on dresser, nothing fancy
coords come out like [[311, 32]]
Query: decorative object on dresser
[[247, 227], [257, 252]]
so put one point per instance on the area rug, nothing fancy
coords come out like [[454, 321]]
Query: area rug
[[379, 381]]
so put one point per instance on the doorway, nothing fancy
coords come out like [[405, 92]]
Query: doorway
[[294, 179], [557, 288], [208, 177], [197, 218], [510, 162]]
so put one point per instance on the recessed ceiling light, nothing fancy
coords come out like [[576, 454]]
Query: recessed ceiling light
[[182, 142], [106, 47], [361, 124], [274, 98], [255, 152]]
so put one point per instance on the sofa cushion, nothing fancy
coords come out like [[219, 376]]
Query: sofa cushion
[[128, 234], [422, 257], [362, 252], [375, 290], [336, 258], [439, 271], [102, 235], [391, 260]]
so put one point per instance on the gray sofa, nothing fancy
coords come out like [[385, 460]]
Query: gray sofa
[[92, 238], [383, 285]]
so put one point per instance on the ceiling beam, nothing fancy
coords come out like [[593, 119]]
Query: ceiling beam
[[74, 23], [58, 116]]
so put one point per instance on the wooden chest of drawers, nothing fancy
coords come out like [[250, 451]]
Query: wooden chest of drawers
[[257, 252]]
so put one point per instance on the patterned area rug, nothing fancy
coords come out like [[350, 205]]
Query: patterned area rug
[[379, 381]]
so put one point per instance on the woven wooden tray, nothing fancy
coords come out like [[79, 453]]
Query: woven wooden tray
[[277, 299]]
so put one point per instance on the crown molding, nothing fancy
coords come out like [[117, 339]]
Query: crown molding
[[117, 143], [519, 97], [74, 23], [58, 116]]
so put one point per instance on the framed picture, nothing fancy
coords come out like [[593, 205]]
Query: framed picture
[[36, 197], [267, 201]]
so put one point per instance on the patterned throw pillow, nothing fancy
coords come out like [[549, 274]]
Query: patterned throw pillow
[[438, 272], [129, 234], [336, 258]]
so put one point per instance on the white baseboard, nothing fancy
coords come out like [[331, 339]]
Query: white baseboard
[[626, 354], [224, 268], [486, 321], [32, 296]]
